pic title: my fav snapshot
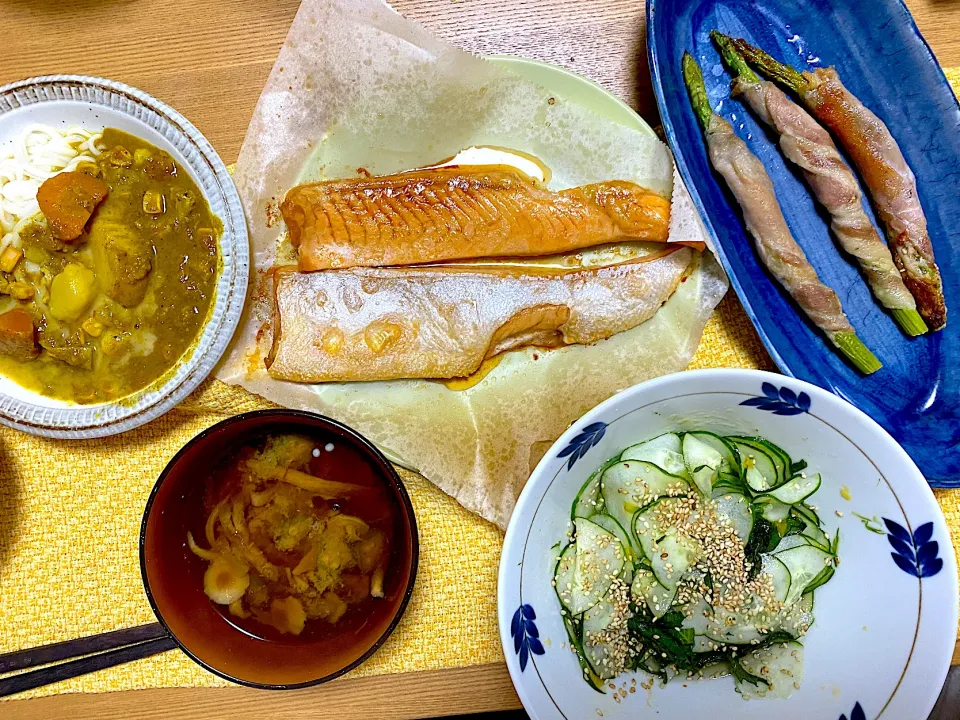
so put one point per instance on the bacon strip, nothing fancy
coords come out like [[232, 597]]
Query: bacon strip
[[783, 257], [805, 143], [891, 183]]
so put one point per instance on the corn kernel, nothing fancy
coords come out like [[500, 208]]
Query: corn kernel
[[154, 203], [9, 258], [92, 328]]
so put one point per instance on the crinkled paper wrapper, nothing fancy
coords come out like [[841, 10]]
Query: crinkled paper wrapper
[[357, 86]]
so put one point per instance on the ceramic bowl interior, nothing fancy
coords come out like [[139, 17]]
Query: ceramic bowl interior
[[173, 578], [95, 103], [892, 612]]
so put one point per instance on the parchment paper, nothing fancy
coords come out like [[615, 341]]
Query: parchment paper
[[357, 86]]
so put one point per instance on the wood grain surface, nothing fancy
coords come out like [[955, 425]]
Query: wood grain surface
[[482, 688], [210, 59]]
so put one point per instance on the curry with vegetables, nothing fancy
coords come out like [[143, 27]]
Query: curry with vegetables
[[112, 283]]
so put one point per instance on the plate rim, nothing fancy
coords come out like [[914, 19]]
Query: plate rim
[[512, 540], [140, 407], [680, 160]]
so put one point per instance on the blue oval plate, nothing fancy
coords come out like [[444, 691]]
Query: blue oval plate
[[883, 59]]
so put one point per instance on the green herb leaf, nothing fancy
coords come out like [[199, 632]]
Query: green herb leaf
[[663, 638], [763, 538], [741, 675], [871, 524], [794, 526]]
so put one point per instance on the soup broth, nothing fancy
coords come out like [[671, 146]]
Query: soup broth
[[297, 539]]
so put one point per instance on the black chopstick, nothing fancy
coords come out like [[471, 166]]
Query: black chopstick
[[55, 652], [115, 648]]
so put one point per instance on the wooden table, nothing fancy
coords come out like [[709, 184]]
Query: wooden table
[[210, 59]]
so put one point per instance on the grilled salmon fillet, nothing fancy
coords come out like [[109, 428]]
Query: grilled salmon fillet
[[442, 321], [461, 212]]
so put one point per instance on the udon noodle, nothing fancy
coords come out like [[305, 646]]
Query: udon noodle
[[39, 153]]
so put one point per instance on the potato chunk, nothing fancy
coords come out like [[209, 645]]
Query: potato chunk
[[72, 292]]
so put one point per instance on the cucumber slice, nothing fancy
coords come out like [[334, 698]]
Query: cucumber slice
[[721, 446], [797, 489], [702, 644], [779, 574], [573, 633], [599, 559], [588, 501], [616, 529], [799, 618], [645, 589], [735, 508], [697, 617], [822, 579], [790, 542], [805, 563], [628, 484], [717, 670], [563, 575], [663, 451], [776, 451], [772, 509], [732, 628], [780, 666], [808, 512], [647, 529], [703, 463], [763, 468], [759, 468], [672, 557], [599, 654], [813, 532], [728, 482]]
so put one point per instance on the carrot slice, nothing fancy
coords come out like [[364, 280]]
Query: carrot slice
[[68, 199]]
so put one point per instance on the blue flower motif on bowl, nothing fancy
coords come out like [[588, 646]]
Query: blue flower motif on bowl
[[780, 401], [857, 713], [915, 554], [578, 447], [526, 637]]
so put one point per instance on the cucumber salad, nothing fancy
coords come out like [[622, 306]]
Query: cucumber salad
[[695, 555]]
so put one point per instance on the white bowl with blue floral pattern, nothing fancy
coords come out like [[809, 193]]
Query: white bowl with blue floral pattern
[[886, 624]]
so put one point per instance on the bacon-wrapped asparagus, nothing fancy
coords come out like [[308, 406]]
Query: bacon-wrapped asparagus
[[884, 170], [806, 144], [753, 189]]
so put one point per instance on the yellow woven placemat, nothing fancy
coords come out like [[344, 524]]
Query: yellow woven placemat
[[70, 513]]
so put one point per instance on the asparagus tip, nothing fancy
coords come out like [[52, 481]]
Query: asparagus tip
[[909, 321], [856, 352], [732, 57], [693, 78], [775, 70]]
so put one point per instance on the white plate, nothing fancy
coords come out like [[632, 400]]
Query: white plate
[[883, 637], [95, 103]]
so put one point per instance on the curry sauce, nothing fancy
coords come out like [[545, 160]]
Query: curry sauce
[[117, 300]]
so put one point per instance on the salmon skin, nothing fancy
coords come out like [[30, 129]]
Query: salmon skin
[[442, 321], [461, 212]]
